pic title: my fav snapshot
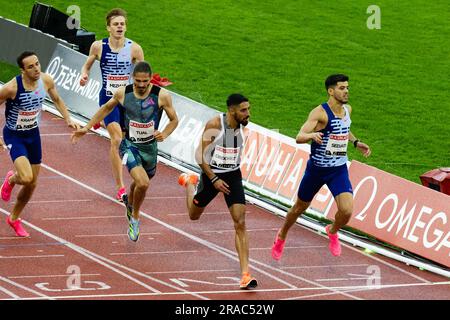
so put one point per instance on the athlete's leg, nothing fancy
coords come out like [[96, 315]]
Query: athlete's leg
[[292, 215], [141, 183], [344, 203], [115, 134], [194, 211], [241, 238], [25, 175]]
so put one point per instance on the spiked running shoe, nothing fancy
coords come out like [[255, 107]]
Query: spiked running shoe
[[334, 246], [278, 246], [133, 229], [7, 187], [17, 226], [129, 208], [186, 178], [120, 193], [247, 281]]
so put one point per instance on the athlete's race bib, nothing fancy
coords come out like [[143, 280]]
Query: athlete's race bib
[[114, 82], [27, 120], [337, 145], [141, 132], [225, 157]]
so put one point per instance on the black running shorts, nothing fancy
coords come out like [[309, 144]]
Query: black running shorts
[[206, 191]]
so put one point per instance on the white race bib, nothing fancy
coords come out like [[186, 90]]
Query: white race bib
[[27, 120], [114, 82], [337, 145], [225, 157], [141, 132]]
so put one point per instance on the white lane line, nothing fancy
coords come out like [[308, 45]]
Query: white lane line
[[326, 266], [190, 271], [300, 247], [113, 235], [208, 244], [32, 257], [232, 230], [60, 201], [81, 218], [18, 285], [85, 253], [185, 214], [9, 293], [149, 252], [348, 246], [53, 276], [348, 279], [101, 259], [287, 290], [162, 198], [224, 251]]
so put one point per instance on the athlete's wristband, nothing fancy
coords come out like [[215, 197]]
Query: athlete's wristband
[[214, 179], [355, 143]]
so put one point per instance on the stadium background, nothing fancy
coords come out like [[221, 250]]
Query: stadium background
[[278, 53]]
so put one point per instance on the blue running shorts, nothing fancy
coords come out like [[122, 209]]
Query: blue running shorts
[[336, 178], [24, 143]]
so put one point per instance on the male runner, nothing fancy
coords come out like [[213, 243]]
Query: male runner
[[24, 95], [141, 104], [219, 156], [328, 127], [117, 56]]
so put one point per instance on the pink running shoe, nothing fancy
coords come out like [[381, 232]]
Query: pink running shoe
[[122, 191], [277, 248], [17, 226], [334, 246], [184, 178], [7, 187]]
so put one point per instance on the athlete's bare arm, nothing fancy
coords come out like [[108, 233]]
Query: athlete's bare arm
[[165, 101], [100, 114], [212, 130], [361, 146], [8, 91], [316, 121], [137, 54], [59, 103], [95, 53]]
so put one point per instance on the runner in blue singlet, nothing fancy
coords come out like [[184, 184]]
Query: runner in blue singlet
[[24, 95], [328, 127], [117, 56]]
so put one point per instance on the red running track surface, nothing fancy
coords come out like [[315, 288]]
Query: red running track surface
[[79, 249]]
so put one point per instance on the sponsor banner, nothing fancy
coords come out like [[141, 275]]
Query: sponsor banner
[[400, 212], [65, 68]]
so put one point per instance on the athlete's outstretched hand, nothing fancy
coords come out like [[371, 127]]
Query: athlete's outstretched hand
[[84, 79], [73, 125], [77, 135], [364, 148], [222, 186]]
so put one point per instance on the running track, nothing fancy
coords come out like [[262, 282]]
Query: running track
[[79, 249]]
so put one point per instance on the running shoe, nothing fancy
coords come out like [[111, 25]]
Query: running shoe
[[247, 281], [17, 226], [277, 248], [133, 229], [96, 126], [334, 246], [129, 208], [186, 178], [120, 193], [7, 187]]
